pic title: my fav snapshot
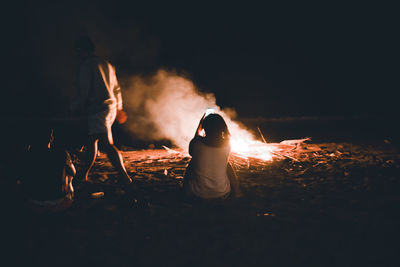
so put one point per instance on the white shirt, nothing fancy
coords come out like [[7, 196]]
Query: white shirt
[[209, 177], [98, 87]]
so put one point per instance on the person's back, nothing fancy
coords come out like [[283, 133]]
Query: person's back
[[208, 170], [45, 174], [97, 76], [209, 174], [46, 179]]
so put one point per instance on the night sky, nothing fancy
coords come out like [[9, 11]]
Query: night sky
[[261, 60]]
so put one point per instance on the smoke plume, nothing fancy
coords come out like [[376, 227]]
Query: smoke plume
[[169, 106]]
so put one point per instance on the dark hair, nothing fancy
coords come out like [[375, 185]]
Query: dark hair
[[84, 43], [215, 128]]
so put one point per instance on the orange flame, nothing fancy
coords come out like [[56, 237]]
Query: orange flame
[[251, 148]]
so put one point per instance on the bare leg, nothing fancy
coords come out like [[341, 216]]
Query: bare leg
[[115, 157], [91, 153], [233, 180]]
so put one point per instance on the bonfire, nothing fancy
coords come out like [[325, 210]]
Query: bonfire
[[245, 146]]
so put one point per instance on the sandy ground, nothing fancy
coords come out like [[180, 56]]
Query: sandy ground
[[338, 205]]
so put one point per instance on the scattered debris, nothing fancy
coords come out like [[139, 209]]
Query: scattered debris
[[97, 194]]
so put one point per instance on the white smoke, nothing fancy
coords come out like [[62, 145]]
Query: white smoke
[[168, 106]]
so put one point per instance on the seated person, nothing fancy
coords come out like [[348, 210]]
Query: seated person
[[209, 175], [46, 180]]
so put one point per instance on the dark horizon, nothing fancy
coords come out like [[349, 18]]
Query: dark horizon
[[274, 62]]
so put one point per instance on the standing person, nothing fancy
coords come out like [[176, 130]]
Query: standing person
[[100, 100], [209, 174]]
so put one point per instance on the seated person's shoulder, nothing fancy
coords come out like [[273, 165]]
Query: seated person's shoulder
[[195, 143], [197, 140]]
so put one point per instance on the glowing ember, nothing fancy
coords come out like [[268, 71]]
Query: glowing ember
[[251, 148], [244, 145]]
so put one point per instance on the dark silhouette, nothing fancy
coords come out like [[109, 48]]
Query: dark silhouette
[[99, 100], [46, 179]]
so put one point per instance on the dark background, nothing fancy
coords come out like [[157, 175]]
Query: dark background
[[262, 60]]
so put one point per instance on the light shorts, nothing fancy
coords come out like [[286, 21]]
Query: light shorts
[[101, 122]]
